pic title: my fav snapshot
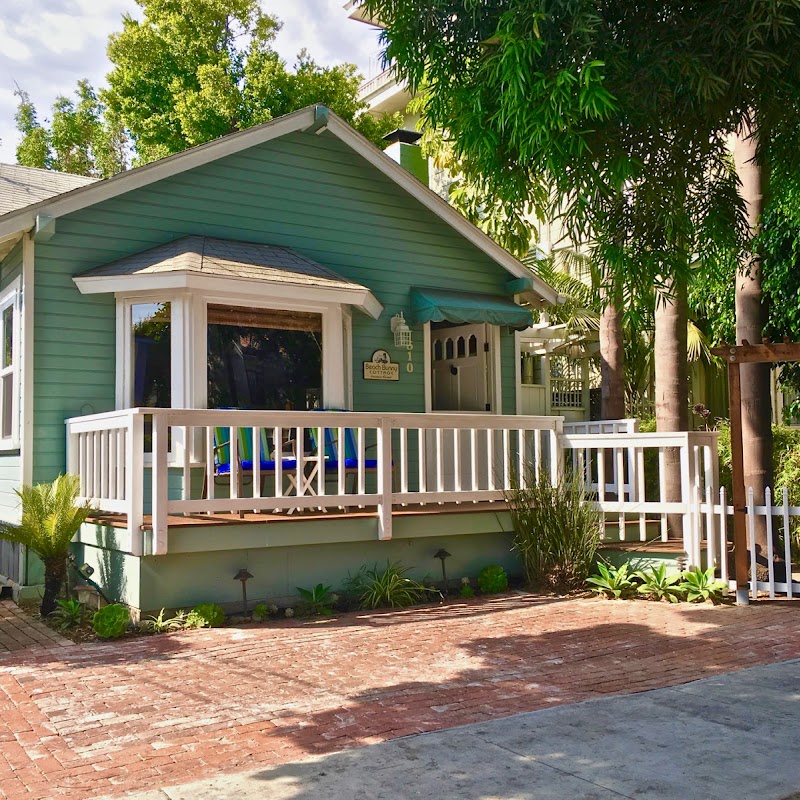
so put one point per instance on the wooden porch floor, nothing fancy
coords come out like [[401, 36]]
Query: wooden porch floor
[[250, 518]]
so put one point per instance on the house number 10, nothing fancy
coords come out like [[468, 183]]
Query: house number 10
[[409, 365]]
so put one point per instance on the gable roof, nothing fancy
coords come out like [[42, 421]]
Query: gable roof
[[21, 186], [179, 261], [314, 119]]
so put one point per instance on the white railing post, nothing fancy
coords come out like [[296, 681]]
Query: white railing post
[[385, 488], [687, 498], [160, 485], [134, 480], [751, 530], [787, 543]]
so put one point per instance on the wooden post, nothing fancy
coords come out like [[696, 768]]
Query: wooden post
[[385, 489], [737, 471]]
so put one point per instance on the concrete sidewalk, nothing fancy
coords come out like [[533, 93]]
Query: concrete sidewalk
[[731, 737]]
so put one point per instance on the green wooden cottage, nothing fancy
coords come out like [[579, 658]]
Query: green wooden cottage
[[277, 351]]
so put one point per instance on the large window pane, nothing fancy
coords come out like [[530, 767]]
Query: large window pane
[[151, 355], [261, 359]]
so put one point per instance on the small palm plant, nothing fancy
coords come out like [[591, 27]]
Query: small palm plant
[[51, 516]]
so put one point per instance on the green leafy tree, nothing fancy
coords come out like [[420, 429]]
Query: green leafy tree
[[194, 70], [79, 139], [632, 100], [33, 149], [188, 72], [51, 516]]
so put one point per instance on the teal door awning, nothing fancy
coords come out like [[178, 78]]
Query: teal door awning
[[445, 305]]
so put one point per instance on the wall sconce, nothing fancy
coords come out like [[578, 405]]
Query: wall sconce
[[401, 331]]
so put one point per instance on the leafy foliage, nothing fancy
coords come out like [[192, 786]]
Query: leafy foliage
[[210, 613], [187, 72], [466, 591], [492, 579], [611, 581], [388, 587], [700, 585], [158, 624], [656, 584], [263, 611], [111, 621], [51, 516], [555, 531], [316, 601], [69, 613]]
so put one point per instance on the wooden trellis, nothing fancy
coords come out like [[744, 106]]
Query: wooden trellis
[[735, 355]]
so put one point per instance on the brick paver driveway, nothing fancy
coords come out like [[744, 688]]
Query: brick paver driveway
[[104, 719], [18, 631]]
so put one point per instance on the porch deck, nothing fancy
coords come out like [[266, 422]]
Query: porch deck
[[152, 472], [120, 521]]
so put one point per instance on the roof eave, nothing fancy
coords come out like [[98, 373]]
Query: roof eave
[[355, 295]]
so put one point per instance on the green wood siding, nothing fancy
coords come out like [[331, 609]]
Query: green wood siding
[[10, 468], [303, 191]]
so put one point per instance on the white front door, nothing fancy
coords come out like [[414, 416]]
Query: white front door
[[460, 368], [460, 382]]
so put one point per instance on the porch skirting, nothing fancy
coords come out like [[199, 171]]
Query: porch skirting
[[203, 559]]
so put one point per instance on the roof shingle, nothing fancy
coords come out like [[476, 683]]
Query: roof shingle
[[20, 186]]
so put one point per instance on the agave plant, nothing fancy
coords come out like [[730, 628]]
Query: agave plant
[[316, 601], [657, 584], [612, 581], [701, 585], [69, 614], [51, 516]]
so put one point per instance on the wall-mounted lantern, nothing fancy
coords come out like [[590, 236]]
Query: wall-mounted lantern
[[401, 331]]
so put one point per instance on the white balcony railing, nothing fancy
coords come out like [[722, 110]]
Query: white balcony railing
[[151, 463]]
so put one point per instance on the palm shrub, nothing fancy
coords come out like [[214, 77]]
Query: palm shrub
[[51, 516], [555, 531]]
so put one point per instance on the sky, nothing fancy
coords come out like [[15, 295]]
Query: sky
[[48, 45]]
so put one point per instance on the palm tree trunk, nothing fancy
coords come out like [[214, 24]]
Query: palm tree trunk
[[612, 354], [55, 571], [750, 318], [672, 385]]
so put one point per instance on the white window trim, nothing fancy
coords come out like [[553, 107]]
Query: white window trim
[[189, 314], [11, 297], [124, 349]]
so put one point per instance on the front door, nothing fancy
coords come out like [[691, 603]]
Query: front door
[[460, 382], [460, 374]]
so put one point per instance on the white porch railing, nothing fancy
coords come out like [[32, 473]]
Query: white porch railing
[[620, 468], [158, 462]]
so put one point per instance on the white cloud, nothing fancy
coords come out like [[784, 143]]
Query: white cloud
[[48, 45]]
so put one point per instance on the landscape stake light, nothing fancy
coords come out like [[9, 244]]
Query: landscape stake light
[[243, 575], [442, 554]]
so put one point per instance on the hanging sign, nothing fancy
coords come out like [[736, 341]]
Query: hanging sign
[[381, 368]]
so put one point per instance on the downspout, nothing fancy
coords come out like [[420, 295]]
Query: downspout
[[26, 379]]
